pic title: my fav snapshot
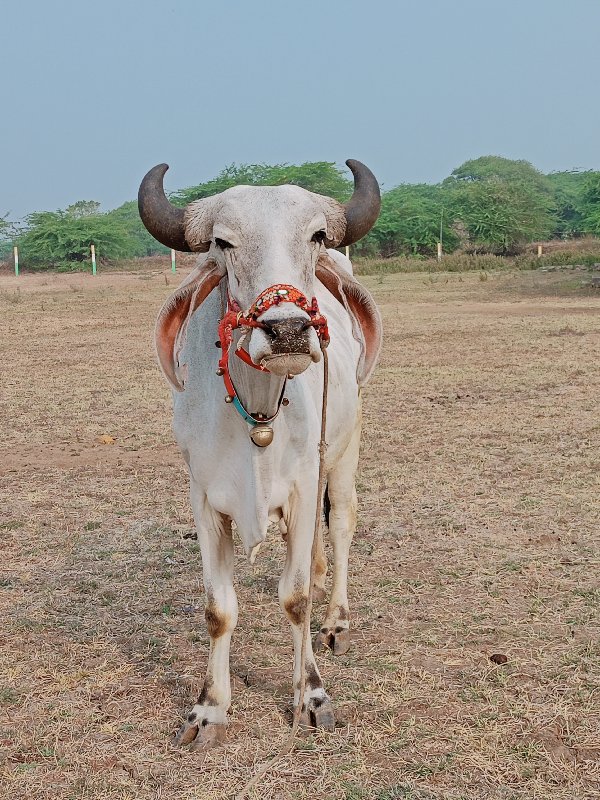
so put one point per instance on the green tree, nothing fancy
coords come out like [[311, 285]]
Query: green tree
[[9, 230], [590, 203], [502, 204], [321, 177], [62, 239], [508, 170], [409, 222], [502, 217], [83, 208], [140, 242], [568, 188]]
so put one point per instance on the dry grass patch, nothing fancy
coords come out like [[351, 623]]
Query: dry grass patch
[[478, 536]]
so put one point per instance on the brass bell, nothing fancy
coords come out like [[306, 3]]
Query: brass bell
[[262, 435]]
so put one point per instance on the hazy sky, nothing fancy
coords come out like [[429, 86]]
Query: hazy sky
[[95, 93]]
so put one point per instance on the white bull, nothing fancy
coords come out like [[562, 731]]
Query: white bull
[[253, 238]]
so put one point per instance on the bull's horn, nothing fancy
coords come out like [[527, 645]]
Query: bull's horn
[[363, 207], [163, 220]]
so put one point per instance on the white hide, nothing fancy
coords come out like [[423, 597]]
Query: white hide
[[241, 480], [270, 229]]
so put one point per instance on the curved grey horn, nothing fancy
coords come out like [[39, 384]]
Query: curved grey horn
[[163, 220], [363, 207]]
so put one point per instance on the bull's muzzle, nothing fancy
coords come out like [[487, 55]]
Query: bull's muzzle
[[285, 344]]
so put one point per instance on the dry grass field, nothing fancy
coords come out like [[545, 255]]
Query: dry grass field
[[479, 536]]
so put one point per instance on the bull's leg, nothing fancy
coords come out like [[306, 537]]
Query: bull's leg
[[320, 568], [206, 722], [335, 631], [317, 709]]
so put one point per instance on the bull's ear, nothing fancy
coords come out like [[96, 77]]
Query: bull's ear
[[335, 219], [174, 317], [366, 320]]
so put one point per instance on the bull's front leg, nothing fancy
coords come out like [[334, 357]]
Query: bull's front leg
[[317, 709], [205, 725], [335, 631]]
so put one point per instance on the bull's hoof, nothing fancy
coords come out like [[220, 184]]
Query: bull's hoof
[[201, 737], [336, 639], [318, 714]]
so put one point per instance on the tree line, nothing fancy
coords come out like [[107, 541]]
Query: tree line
[[487, 205]]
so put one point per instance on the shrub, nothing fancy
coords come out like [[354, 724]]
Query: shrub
[[60, 238]]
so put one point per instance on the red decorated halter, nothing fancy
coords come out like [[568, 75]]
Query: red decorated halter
[[234, 318]]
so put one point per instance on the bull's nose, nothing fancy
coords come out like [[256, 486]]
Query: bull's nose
[[291, 329]]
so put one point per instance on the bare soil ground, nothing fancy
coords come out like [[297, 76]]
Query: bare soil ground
[[478, 536]]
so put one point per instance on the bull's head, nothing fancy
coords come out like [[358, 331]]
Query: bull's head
[[257, 236]]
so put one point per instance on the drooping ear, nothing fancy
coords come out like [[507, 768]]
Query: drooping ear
[[364, 314], [174, 317]]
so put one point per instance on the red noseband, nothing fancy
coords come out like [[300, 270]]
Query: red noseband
[[283, 293]]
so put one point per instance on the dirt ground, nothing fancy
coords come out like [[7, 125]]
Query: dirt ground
[[478, 536]]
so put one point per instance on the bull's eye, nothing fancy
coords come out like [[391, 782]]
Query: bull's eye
[[319, 237], [222, 243]]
